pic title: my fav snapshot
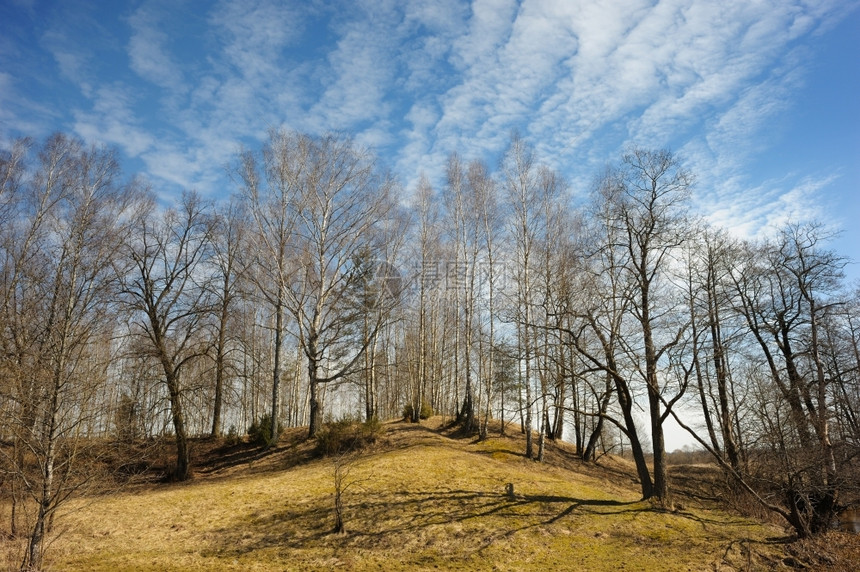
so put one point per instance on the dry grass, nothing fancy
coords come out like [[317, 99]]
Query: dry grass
[[420, 500]]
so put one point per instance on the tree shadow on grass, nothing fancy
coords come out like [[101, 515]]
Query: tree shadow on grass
[[215, 458], [403, 516], [410, 524], [557, 455]]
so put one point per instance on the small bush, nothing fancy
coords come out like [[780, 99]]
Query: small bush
[[126, 420], [425, 412], [347, 434], [233, 437], [260, 431]]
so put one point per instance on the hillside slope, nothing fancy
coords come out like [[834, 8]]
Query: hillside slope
[[418, 500]]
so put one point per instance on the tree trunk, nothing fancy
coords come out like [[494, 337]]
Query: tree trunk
[[721, 370], [218, 397], [315, 409], [315, 422], [658, 445], [369, 373], [276, 372], [661, 483], [590, 449], [467, 412], [219, 373], [526, 406], [626, 403], [183, 461], [46, 497]]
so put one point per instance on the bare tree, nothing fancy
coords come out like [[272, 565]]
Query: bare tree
[[787, 293], [58, 288], [227, 242], [329, 203], [467, 228], [274, 200], [427, 254], [521, 184], [600, 301], [845, 364], [710, 261], [783, 300], [489, 215], [549, 255], [167, 295], [343, 465], [650, 209]]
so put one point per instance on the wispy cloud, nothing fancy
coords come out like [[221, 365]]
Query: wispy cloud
[[758, 211], [704, 77], [253, 36], [419, 79], [74, 61], [112, 121], [360, 70], [149, 52]]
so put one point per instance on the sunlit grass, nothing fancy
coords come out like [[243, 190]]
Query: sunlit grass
[[423, 502]]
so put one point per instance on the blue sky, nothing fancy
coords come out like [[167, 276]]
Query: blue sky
[[759, 98]]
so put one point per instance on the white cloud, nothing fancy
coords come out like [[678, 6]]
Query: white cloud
[[8, 115], [570, 72], [167, 163], [580, 79], [112, 122], [430, 28], [254, 35], [361, 69], [73, 60], [760, 211], [171, 163], [148, 50]]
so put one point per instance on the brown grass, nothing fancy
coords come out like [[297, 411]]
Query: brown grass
[[419, 500]]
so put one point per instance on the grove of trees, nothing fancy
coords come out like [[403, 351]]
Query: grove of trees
[[323, 289]]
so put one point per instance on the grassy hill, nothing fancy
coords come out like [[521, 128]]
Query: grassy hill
[[419, 499]]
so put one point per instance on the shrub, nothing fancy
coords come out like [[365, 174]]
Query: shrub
[[425, 412], [347, 434], [126, 419], [260, 431], [232, 437]]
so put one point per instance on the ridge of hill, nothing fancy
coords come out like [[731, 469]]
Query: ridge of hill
[[421, 498]]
